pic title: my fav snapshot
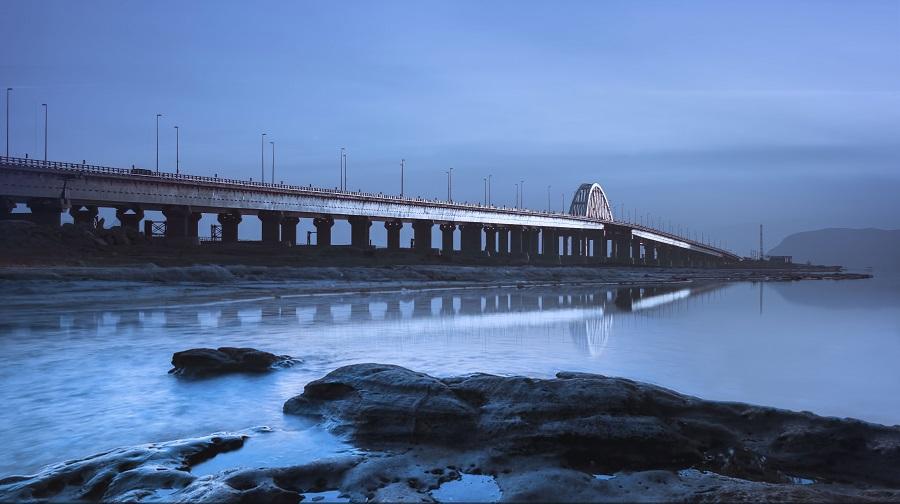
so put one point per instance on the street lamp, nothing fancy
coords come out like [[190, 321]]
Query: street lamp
[[517, 196], [273, 162], [522, 194], [341, 185], [7, 120], [177, 150], [485, 190], [548, 199], [45, 130], [490, 177], [262, 158], [402, 166], [157, 141], [450, 185]]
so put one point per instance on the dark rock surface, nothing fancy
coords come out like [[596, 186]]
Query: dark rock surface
[[198, 362], [121, 472], [576, 438], [592, 424]]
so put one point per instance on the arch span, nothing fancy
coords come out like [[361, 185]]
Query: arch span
[[590, 201]]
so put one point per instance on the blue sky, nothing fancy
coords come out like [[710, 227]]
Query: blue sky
[[718, 115]]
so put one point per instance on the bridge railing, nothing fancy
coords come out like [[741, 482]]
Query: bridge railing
[[90, 168]]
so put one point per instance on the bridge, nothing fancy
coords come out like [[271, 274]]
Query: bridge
[[587, 233]]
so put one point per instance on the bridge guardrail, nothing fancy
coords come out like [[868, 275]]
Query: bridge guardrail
[[90, 168]]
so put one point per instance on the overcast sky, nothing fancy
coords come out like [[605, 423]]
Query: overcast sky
[[716, 115]]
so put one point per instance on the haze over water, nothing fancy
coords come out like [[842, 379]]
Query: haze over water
[[83, 365]]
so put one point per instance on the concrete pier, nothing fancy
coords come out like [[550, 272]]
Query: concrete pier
[[323, 226], [422, 235], [229, 222], [393, 228]]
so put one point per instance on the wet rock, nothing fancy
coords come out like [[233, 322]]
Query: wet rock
[[123, 471], [387, 403], [198, 362], [595, 424]]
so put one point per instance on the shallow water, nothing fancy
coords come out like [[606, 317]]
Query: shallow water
[[83, 365]]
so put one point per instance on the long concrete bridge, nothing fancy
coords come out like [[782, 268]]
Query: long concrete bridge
[[588, 233]]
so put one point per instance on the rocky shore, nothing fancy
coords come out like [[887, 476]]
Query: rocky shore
[[578, 438]]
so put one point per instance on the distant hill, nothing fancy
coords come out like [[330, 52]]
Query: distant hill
[[853, 248]]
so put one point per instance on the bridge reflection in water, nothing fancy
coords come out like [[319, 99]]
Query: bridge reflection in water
[[589, 315]]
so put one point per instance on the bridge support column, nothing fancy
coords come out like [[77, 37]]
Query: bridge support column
[[490, 240], [516, 245], [470, 242], [193, 221], [84, 216], [578, 245], [6, 208], [393, 228], [181, 224], [46, 211], [289, 229], [503, 240], [534, 240], [229, 222], [271, 225], [447, 238], [422, 235], [323, 230], [621, 244], [550, 240], [635, 250], [650, 254], [359, 231], [131, 221]]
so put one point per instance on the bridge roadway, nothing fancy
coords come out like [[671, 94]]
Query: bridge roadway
[[49, 188]]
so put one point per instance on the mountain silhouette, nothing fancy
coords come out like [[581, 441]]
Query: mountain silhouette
[[852, 248]]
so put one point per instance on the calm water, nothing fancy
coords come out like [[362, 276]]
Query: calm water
[[83, 365]]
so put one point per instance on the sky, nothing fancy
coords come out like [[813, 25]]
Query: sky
[[715, 116]]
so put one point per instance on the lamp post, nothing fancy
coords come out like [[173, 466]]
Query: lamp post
[[548, 199], [177, 150], [346, 155], [7, 120], [402, 165], [490, 177], [517, 196], [262, 158], [521, 194], [341, 184], [450, 185], [273, 162], [157, 142], [45, 130], [485, 190]]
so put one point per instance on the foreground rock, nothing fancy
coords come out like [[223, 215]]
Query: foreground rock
[[198, 362], [120, 474], [576, 438], [590, 424]]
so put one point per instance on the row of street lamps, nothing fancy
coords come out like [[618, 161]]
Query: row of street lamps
[[46, 115]]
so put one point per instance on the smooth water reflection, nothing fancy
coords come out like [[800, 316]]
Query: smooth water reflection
[[76, 382]]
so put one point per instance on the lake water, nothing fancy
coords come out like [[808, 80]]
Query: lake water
[[83, 365]]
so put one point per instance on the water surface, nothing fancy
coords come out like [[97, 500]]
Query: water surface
[[83, 365]]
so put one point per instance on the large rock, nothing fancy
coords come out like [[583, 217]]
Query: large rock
[[208, 361], [110, 475], [600, 425]]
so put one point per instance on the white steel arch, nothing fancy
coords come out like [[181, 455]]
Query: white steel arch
[[590, 201]]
